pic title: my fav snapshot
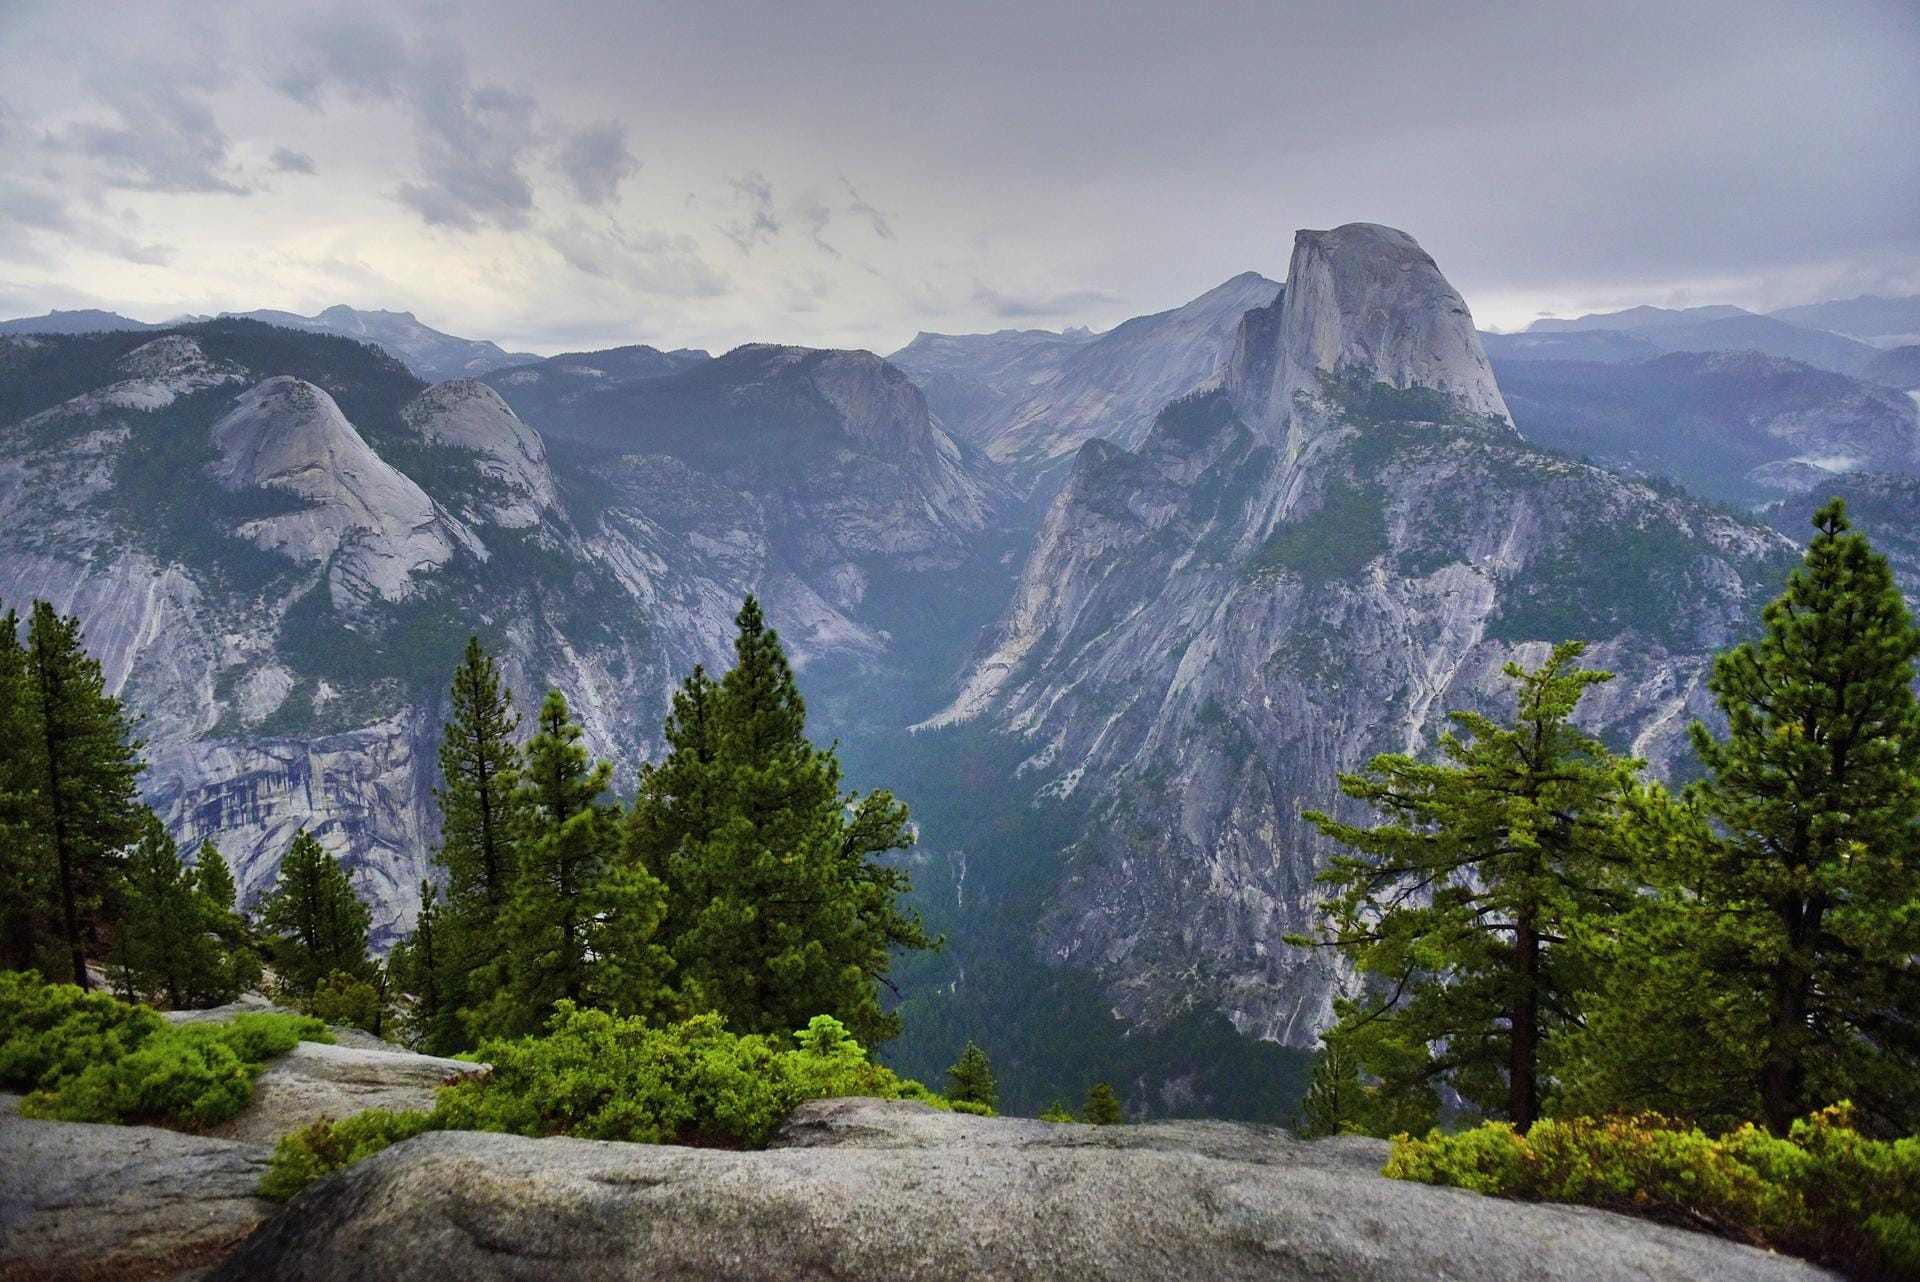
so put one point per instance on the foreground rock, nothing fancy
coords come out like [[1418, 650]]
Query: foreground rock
[[313, 1081], [79, 1201], [861, 1189]]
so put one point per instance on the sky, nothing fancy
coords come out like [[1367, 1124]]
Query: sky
[[567, 176]]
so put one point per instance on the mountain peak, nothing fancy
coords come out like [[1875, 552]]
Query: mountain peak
[[1365, 297]]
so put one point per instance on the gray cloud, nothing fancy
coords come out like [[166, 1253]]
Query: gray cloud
[[161, 136], [34, 209], [595, 160], [752, 194], [859, 207], [285, 160], [1042, 303], [652, 262]]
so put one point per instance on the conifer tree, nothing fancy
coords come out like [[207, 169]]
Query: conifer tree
[[1787, 879], [165, 942], [972, 1078], [1459, 905], [27, 897], [779, 908], [1335, 1097], [580, 925], [1103, 1106], [84, 764], [318, 924], [418, 967], [213, 878], [480, 802]]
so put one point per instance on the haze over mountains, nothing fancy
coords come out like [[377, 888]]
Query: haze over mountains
[[1107, 609]]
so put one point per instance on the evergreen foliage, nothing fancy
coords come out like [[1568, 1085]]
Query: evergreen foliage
[[28, 923], [1103, 1106], [581, 922], [316, 923], [1772, 970], [1460, 905], [972, 1078], [778, 907], [483, 821], [420, 968], [1336, 1099], [168, 942], [88, 1057], [83, 761], [1058, 1112], [1824, 1191], [598, 1076]]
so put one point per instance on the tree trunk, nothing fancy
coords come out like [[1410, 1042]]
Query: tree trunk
[[1523, 1102], [63, 856], [1783, 1079]]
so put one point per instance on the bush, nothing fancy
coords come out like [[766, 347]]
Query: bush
[[345, 998], [312, 1151], [1824, 1192], [89, 1057], [598, 1076]]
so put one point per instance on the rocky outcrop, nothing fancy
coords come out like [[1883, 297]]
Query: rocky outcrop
[[470, 416], [862, 1189], [290, 436], [1314, 563], [1110, 386], [314, 1081], [79, 1201]]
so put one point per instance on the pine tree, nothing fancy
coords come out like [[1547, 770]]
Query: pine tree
[[213, 878], [1103, 1106], [1457, 906], [972, 1077], [28, 916], [165, 942], [581, 923], [779, 908], [85, 762], [1787, 879], [1058, 1112], [418, 967], [1336, 1097], [318, 924]]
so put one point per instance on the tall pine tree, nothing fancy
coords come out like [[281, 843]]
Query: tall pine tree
[[1458, 906], [779, 907], [317, 923], [580, 925], [83, 762], [482, 822], [166, 941], [27, 899], [1773, 971]]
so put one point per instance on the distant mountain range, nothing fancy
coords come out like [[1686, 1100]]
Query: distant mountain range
[[431, 355]]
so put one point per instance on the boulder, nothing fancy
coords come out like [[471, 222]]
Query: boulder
[[863, 1189], [79, 1201], [313, 1081]]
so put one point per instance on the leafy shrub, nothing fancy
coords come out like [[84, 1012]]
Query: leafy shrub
[[345, 998], [52, 1031], [602, 1077], [1825, 1192], [89, 1057], [312, 1151]]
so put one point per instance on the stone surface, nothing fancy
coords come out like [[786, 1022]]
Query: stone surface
[[79, 1201], [862, 1189], [313, 1081]]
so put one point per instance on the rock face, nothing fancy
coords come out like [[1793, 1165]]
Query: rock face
[[290, 436], [313, 1081], [1056, 393], [82, 1201], [861, 1189], [1310, 564], [278, 543]]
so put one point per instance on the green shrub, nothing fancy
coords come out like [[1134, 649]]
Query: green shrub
[[598, 1076], [89, 1057], [345, 998], [52, 1031], [312, 1151], [1825, 1191]]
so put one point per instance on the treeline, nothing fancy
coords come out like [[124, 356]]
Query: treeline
[[1544, 932], [741, 881]]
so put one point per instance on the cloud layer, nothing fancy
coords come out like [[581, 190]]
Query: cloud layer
[[845, 175]]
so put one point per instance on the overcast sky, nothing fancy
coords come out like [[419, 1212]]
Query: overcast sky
[[560, 175]]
